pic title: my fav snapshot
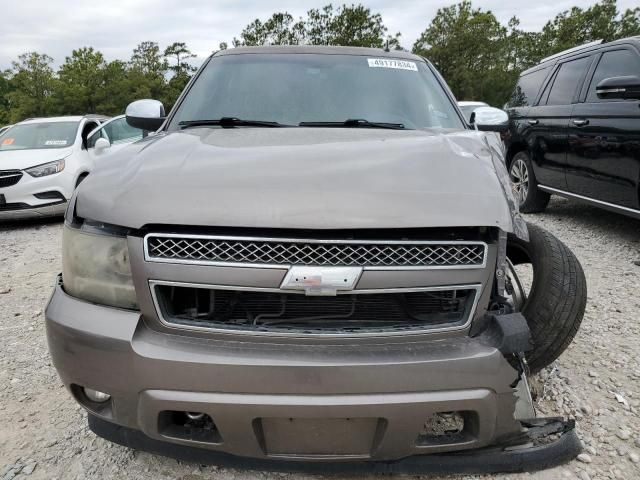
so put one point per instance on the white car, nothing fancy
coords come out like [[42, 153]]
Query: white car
[[43, 160], [468, 108], [4, 129]]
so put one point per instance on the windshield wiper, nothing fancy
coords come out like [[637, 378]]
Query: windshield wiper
[[355, 123], [229, 122]]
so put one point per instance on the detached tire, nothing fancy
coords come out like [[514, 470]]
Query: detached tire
[[555, 305], [525, 186]]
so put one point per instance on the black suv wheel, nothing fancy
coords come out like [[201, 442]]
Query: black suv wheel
[[525, 188]]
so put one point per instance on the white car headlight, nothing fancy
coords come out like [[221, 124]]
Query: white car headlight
[[95, 267], [46, 168]]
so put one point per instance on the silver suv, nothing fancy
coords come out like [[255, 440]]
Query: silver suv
[[310, 266]]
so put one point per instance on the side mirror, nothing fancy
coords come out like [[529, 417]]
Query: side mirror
[[145, 114], [102, 144], [619, 87], [490, 119]]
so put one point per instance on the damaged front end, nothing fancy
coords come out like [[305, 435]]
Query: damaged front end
[[521, 441], [400, 349]]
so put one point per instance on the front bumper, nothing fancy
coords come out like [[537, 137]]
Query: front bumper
[[24, 212], [480, 461], [341, 405], [36, 197]]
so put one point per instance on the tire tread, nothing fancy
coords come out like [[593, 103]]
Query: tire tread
[[558, 296]]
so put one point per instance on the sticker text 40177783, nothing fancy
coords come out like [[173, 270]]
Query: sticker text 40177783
[[391, 63]]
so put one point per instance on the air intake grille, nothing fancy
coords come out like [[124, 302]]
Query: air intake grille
[[304, 252], [271, 311], [9, 178]]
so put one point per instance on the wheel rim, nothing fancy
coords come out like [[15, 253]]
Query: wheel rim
[[519, 174]]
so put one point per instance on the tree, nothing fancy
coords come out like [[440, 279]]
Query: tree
[[353, 25], [280, 29], [467, 46], [147, 59], [147, 71], [629, 23], [179, 52], [117, 91], [80, 82], [5, 89], [32, 83], [577, 26]]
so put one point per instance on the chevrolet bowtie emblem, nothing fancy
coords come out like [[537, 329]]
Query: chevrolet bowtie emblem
[[321, 280]]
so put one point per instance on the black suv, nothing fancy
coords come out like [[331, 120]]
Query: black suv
[[575, 128]]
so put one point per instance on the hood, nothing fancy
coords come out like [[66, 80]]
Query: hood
[[23, 159], [300, 178]]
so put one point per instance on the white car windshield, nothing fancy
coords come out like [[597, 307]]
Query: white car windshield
[[39, 136]]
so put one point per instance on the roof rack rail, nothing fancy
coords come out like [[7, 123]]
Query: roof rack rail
[[572, 50]]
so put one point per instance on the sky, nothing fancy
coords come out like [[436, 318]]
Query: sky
[[115, 27]]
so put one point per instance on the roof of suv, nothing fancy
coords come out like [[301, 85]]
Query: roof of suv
[[321, 50], [581, 49]]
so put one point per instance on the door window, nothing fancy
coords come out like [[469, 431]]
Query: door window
[[614, 63], [91, 141], [568, 78], [527, 88], [119, 131], [116, 131]]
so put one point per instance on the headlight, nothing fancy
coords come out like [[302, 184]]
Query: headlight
[[95, 267], [46, 168]]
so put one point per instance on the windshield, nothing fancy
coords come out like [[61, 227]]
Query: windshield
[[295, 88], [39, 135]]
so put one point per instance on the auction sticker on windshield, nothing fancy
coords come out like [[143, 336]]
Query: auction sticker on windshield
[[391, 63]]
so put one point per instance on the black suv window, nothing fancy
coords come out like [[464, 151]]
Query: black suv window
[[527, 88], [567, 80], [615, 63]]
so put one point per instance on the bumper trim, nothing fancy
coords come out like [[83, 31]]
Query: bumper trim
[[40, 211], [493, 459]]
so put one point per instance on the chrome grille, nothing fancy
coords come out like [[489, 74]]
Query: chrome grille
[[283, 252]]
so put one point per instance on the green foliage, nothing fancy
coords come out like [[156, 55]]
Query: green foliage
[[32, 83], [466, 46], [479, 57], [5, 89], [578, 26], [80, 79], [280, 29], [117, 92], [353, 25]]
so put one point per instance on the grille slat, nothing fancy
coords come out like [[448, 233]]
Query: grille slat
[[300, 252], [9, 178]]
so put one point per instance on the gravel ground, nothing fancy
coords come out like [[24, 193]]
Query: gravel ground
[[597, 380]]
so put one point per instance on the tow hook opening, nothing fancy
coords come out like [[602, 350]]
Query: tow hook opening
[[188, 425]]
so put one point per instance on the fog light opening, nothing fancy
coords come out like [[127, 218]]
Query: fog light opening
[[445, 428], [96, 395]]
